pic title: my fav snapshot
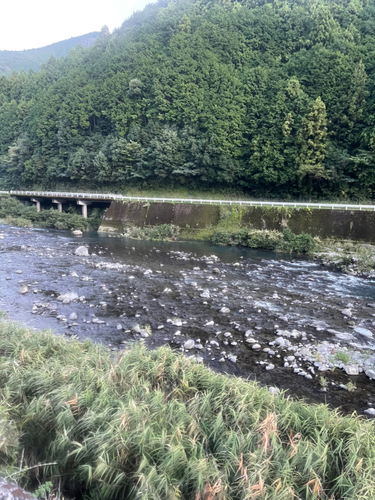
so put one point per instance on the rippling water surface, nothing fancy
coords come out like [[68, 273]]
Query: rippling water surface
[[179, 289]]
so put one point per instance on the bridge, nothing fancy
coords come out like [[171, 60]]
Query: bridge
[[86, 199]]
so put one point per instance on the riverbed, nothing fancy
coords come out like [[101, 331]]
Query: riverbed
[[288, 322]]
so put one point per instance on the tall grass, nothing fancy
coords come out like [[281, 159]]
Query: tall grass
[[155, 425]]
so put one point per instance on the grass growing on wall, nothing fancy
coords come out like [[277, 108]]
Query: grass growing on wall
[[154, 425]]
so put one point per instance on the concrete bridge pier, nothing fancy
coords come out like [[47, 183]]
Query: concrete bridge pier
[[84, 205], [38, 202], [59, 204]]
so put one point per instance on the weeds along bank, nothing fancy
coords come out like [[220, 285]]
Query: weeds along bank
[[335, 237], [156, 425], [201, 221], [12, 211]]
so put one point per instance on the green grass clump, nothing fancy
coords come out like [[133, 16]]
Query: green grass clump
[[343, 357], [286, 241], [155, 425], [348, 255], [160, 232], [14, 212]]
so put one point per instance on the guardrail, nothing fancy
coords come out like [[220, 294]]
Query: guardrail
[[110, 197]]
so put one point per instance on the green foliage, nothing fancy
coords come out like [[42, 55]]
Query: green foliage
[[273, 98], [160, 232], [153, 424], [14, 212], [267, 240], [343, 357]]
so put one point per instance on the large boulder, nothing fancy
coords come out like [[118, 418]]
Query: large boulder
[[82, 251]]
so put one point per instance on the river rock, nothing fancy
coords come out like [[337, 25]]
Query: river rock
[[363, 331], [281, 342], [23, 290], [232, 358], [370, 374], [189, 344], [77, 232], [119, 326], [342, 335], [351, 369], [250, 340], [205, 294], [347, 312], [225, 310], [82, 251], [370, 411], [11, 491], [256, 346], [274, 390], [270, 367], [73, 316], [67, 297], [19, 271]]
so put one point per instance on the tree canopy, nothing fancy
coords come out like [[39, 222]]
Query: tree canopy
[[273, 97]]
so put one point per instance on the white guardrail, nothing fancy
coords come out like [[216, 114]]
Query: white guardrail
[[109, 197]]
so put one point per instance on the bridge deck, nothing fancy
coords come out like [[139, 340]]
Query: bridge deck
[[111, 197]]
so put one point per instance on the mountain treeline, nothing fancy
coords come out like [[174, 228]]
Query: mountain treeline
[[18, 60], [274, 98]]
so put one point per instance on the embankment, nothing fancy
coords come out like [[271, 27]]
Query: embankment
[[201, 221]]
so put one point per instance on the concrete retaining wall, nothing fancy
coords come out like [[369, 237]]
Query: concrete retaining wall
[[357, 225]]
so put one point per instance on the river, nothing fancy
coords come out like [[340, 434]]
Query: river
[[285, 321]]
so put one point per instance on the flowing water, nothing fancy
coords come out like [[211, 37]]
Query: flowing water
[[172, 292]]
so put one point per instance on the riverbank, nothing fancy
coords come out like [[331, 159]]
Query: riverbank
[[12, 211], [351, 257], [112, 428]]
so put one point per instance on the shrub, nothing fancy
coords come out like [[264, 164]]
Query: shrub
[[268, 240], [221, 238], [15, 212], [161, 232]]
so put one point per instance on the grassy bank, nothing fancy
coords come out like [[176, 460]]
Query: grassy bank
[[155, 425], [12, 211]]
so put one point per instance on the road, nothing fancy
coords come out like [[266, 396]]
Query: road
[[256, 203]]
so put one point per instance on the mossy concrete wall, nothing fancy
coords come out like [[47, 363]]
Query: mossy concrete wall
[[356, 225]]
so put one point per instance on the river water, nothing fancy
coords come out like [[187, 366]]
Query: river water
[[172, 292]]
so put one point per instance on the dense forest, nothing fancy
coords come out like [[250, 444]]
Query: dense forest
[[272, 97], [18, 60]]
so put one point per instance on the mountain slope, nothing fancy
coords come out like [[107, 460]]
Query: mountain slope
[[276, 98], [24, 60]]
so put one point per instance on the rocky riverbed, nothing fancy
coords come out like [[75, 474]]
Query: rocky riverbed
[[290, 323]]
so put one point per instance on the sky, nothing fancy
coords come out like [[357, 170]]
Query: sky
[[28, 24]]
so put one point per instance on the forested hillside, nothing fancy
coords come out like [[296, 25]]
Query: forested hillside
[[24, 60], [275, 98]]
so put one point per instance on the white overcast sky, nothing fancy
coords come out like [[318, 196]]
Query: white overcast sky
[[28, 24]]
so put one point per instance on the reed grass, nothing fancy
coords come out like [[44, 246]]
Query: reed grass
[[155, 425]]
